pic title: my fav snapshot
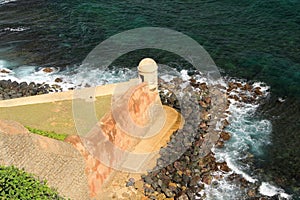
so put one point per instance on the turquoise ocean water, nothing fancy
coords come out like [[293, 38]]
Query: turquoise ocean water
[[256, 40]]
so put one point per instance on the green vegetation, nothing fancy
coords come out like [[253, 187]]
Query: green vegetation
[[17, 184], [50, 134]]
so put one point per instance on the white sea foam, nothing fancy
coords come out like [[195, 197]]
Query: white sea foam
[[4, 64], [18, 29], [167, 73], [167, 77], [236, 169], [78, 77], [4, 70], [221, 188], [248, 135], [184, 75], [6, 1], [263, 86], [270, 190]]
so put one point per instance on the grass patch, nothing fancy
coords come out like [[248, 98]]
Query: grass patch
[[49, 134]]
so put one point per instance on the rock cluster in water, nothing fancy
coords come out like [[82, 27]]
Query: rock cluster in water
[[12, 89], [182, 171]]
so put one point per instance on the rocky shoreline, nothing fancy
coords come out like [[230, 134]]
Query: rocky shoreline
[[12, 89], [184, 175]]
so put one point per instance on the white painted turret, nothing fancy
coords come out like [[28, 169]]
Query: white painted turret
[[148, 72]]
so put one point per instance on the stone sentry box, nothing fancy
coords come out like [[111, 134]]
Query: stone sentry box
[[148, 72]]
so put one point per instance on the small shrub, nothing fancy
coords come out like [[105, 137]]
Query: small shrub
[[17, 184], [50, 134]]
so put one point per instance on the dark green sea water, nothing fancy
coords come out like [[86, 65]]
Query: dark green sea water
[[256, 40]]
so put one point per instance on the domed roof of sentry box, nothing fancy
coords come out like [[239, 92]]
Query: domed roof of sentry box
[[147, 65]]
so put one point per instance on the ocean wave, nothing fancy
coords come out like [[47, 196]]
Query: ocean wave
[[2, 2], [77, 77], [249, 136], [221, 188], [270, 191], [18, 29]]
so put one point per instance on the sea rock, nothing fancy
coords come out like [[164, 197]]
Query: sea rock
[[225, 135], [148, 180], [130, 182], [235, 97], [228, 90], [223, 166], [168, 193], [251, 193], [225, 122], [183, 197], [4, 71], [203, 104], [203, 87], [263, 198], [56, 88], [232, 85], [190, 194], [48, 70], [32, 85], [192, 80], [247, 87], [177, 80], [239, 85], [233, 176], [207, 100], [205, 115], [58, 80], [244, 98], [14, 84], [4, 83], [177, 166], [257, 91], [148, 189], [194, 181], [185, 179], [243, 181], [203, 126], [160, 197], [23, 85], [207, 179], [172, 186], [154, 185]]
